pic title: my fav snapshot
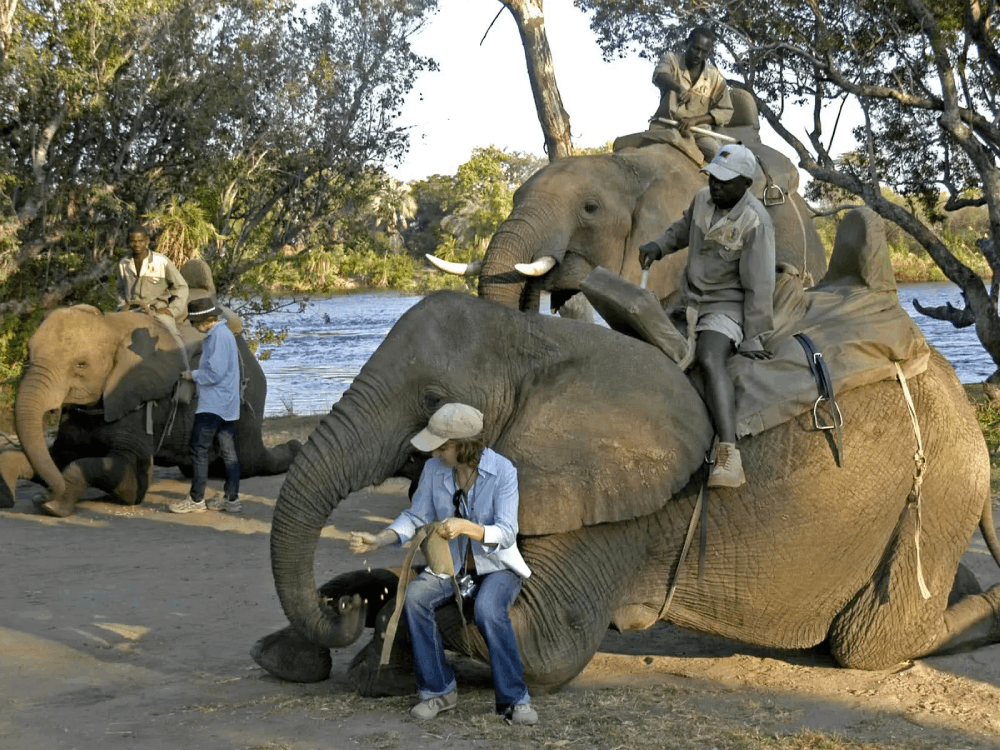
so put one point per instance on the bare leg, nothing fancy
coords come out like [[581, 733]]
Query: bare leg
[[713, 352]]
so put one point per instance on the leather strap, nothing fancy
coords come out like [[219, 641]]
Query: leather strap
[[824, 385], [405, 576]]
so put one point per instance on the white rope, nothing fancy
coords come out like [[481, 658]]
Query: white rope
[[918, 476]]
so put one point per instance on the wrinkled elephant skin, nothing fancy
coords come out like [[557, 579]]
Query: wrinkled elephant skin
[[608, 437]]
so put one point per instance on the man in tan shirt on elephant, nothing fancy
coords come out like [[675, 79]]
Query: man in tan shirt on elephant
[[149, 282], [693, 92]]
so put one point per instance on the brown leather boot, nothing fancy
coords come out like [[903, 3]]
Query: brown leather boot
[[727, 471]]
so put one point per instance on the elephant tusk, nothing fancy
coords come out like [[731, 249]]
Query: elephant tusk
[[458, 269], [539, 268]]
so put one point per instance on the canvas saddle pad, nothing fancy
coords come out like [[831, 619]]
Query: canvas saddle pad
[[853, 317]]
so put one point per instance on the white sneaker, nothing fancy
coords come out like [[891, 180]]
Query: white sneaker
[[225, 504], [431, 707], [187, 505], [728, 468]]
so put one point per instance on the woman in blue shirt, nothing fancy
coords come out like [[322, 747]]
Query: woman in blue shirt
[[472, 491]]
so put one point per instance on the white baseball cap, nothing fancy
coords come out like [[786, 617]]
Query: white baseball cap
[[450, 421], [733, 160]]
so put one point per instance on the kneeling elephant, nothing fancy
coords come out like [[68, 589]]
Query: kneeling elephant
[[609, 436]]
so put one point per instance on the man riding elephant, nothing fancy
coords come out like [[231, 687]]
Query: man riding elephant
[[150, 282], [693, 93]]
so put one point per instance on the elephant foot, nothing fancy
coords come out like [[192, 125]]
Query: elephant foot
[[290, 656], [6, 496], [965, 585], [14, 465], [61, 508], [395, 678]]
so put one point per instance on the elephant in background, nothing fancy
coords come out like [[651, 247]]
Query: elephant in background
[[609, 436], [582, 212], [115, 376]]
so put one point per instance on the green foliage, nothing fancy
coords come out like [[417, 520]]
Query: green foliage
[[15, 330], [464, 211]]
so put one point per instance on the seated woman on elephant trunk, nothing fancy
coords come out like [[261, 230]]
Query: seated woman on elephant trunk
[[472, 491], [730, 281]]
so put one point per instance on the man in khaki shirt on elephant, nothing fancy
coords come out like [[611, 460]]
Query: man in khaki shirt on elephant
[[150, 282], [729, 281], [693, 92]]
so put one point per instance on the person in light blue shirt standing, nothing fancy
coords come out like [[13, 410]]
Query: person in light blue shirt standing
[[472, 492], [218, 382]]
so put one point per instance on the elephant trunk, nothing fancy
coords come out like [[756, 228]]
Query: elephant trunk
[[520, 239], [37, 394], [323, 473]]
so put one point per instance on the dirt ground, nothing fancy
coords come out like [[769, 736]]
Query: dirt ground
[[130, 628]]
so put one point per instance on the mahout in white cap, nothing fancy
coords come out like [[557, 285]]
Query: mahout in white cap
[[733, 160]]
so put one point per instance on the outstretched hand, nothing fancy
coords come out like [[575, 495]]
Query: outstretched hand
[[648, 253], [362, 542]]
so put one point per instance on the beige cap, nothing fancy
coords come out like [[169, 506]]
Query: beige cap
[[733, 160], [450, 421]]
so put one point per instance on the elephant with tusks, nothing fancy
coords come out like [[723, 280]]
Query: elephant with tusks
[[609, 437], [583, 212]]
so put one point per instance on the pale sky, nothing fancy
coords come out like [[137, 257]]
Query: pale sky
[[481, 95]]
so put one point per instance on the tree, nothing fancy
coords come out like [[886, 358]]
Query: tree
[[552, 116], [463, 211], [925, 76], [271, 123]]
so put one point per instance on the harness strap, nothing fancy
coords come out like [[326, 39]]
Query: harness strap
[[692, 525], [824, 385], [920, 463], [405, 576]]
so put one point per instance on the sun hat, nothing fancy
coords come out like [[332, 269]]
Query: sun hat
[[733, 160], [450, 421], [201, 308]]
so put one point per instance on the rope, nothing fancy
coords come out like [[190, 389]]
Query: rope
[[692, 525], [920, 462]]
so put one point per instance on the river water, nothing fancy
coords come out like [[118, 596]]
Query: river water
[[329, 342]]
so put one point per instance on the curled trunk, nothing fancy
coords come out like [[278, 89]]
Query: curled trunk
[[323, 473], [36, 395]]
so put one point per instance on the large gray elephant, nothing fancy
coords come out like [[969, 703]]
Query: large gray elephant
[[609, 438], [582, 212], [115, 375]]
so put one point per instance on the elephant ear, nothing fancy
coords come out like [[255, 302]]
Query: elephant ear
[[603, 439], [146, 367], [655, 210]]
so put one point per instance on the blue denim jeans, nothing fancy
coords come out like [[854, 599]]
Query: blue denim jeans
[[497, 592], [208, 427]]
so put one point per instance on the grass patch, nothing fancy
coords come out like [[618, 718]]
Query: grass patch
[[640, 718]]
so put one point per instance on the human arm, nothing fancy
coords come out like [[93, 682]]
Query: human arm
[[675, 238], [720, 109], [363, 541], [757, 278], [219, 357], [178, 289]]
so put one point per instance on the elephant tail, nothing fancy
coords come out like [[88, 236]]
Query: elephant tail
[[989, 531]]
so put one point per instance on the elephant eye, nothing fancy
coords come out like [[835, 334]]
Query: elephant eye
[[591, 206], [81, 365], [430, 402]]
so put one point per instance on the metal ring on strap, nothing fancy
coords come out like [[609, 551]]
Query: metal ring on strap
[[824, 385]]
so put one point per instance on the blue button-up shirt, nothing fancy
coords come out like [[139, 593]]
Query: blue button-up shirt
[[218, 374], [492, 503]]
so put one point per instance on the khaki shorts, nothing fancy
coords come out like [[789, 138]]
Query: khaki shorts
[[721, 323]]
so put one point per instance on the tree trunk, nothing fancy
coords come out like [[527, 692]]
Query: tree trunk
[[548, 103]]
